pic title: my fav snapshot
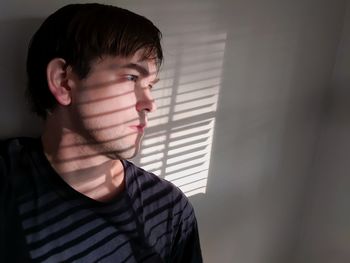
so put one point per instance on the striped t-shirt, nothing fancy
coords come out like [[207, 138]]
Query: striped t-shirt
[[43, 219]]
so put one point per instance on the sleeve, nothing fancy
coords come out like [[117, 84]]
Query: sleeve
[[187, 247]]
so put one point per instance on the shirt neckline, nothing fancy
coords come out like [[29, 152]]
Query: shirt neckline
[[64, 190]]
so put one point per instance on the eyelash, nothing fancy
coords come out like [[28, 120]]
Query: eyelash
[[134, 78]]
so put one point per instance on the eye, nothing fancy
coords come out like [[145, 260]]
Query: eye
[[131, 77]]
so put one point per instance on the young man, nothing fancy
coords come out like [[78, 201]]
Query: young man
[[70, 195]]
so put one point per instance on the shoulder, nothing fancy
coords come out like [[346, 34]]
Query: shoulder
[[9, 148], [11, 239], [13, 154], [12, 149], [168, 216], [155, 190], [9, 151]]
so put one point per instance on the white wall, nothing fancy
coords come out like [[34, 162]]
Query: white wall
[[277, 67], [266, 65], [325, 235]]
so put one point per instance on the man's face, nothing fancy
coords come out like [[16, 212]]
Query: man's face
[[110, 106]]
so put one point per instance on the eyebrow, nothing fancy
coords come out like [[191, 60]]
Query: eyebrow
[[142, 70]]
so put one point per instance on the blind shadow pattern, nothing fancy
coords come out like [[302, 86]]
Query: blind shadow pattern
[[61, 225], [178, 143]]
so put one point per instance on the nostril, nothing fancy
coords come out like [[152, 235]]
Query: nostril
[[152, 106], [146, 104]]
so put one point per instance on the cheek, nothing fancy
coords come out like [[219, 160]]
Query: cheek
[[109, 113], [105, 103]]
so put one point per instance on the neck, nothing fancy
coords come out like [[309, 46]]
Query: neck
[[79, 162]]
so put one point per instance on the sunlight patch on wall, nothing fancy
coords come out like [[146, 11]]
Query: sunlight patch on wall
[[178, 142]]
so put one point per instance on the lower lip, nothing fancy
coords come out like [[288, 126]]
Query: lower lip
[[139, 129]]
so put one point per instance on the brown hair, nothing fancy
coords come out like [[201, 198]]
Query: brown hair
[[79, 33]]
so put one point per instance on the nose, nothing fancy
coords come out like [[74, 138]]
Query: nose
[[145, 101]]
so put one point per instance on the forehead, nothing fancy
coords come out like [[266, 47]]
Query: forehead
[[136, 61]]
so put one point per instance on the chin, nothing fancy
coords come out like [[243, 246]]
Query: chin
[[124, 153], [121, 149], [128, 154]]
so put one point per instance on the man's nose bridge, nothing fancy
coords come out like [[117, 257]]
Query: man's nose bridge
[[144, 93]]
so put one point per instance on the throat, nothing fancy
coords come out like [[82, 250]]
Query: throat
[[107, 182], [101, 183], [105, 192]]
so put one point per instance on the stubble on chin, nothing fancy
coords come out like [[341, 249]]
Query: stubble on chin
[[119, 150], [124, 154]]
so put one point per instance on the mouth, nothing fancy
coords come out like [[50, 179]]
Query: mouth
[[138, 128]]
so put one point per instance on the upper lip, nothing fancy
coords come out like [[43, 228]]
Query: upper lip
[[143, 123], [140, 125]]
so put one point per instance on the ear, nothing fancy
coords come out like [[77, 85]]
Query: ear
[[57, 80]]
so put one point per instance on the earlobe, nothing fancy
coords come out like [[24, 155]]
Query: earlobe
[[57, 80]]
